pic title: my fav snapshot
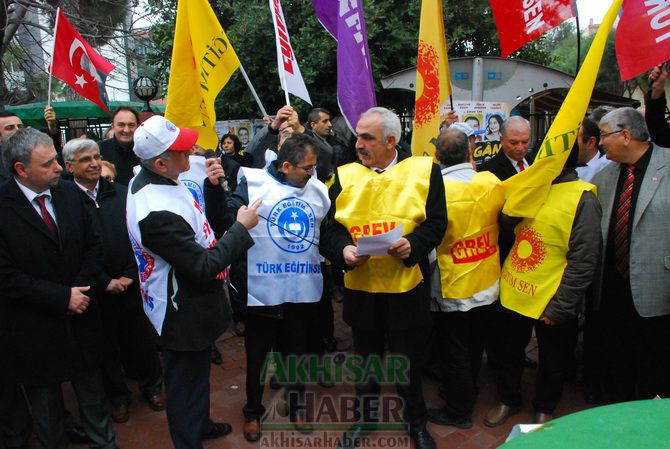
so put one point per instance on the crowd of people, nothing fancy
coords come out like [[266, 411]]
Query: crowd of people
[[131, 256]]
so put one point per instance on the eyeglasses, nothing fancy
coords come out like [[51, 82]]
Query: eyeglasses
[[307, 168], [610, 133], [88, 159]]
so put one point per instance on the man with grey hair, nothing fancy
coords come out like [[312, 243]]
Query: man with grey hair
[[181, 271], [632, 286], [465, 276], [49, 266], [386, 298], [515, 141], [125, 326]]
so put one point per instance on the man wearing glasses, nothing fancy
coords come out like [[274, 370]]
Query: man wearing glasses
[[632, 286], [283, 281]]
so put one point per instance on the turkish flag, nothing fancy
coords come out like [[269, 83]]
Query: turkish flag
[[523, 21], [78, 65], [642, 37]]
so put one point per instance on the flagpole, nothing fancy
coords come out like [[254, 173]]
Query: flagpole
[[51, 63], [253, 91], [578, 44]]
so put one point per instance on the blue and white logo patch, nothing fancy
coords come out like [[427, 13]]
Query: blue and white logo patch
[[196, 191], [291, 225]]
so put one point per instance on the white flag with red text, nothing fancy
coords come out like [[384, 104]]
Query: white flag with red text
[[287, 64]]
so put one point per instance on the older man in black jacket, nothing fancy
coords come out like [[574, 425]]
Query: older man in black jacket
[[181, 268], [126, 327], [387, 297], [49, 260]]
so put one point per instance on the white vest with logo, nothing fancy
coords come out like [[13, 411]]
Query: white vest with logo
[[153, 270], [284, 263]]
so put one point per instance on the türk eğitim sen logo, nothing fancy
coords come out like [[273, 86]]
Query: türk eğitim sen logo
[[291, 225]]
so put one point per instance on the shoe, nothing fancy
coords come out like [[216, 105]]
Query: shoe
[[217, 430], [156, 401], [353, 437], [120, 413], [422, 438], [239, 329], [499, 414], [215, 357], [300, 424], [77, 435], [274, 383], [541, 418], [252, 430], [439, 416], [330, 344]]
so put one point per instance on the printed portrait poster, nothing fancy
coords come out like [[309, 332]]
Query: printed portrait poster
[[486, 118]]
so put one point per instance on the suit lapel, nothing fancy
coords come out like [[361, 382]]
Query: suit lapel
[[650, 182], [25, 210], [606, 192]]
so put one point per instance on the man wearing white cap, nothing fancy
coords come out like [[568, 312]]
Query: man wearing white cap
[[181, 269]]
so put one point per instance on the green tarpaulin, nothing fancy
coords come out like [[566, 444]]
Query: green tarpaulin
[[32, 114]]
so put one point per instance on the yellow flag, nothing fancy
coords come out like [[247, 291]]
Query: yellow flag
[[433, 84], [528, 190], [202, 63]]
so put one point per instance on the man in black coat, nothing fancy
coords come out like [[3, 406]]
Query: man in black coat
[[49, 264], [119, 149], [386, 298], [181, 268], [126, 327]]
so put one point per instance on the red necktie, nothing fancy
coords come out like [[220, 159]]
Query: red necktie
[[521, 167], [46, 216], [621, 242]]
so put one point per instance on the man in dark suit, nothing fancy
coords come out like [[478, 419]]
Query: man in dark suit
[[125, 326], [387, 298], [49, 260], [512, 158], [119, 148], [632, 285]]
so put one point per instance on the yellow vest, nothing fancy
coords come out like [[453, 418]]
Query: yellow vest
[[373, 203], [534, 268], [468, 255]]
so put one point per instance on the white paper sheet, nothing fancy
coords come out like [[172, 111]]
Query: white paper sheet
[[378, 245]]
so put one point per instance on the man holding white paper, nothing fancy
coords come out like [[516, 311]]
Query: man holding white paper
[[386, 298]]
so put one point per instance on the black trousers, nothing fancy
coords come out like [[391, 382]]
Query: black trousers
[[128, 336], [14, 417], [635, 350], [408, 343], [46, 404], [459, 343], [290, 334], [187, 396], [553, 353]]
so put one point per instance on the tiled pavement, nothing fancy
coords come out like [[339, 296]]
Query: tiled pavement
[[148, 430]]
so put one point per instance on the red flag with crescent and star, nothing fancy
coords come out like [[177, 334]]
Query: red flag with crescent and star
[[78, 65]]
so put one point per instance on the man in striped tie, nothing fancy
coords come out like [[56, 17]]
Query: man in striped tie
[[632, 285]]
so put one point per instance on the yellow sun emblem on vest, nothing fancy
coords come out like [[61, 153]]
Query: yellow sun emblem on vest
[[529, 250]]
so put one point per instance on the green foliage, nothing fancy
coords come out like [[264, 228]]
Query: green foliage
[[392, 27]]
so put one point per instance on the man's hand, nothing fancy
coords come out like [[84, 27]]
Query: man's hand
[[214, 170], [126, 281], [248, 215], [400, 249], [50, 118], [350, 257], [115, 287], [78, 300], [657, 78], [282, 115], [548, 321], [450, 118]]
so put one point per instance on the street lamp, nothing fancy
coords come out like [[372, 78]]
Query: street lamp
[[146, 89]]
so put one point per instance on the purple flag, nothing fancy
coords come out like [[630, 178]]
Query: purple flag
[[344, 20]]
